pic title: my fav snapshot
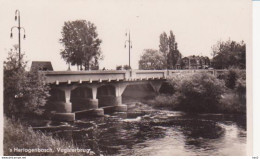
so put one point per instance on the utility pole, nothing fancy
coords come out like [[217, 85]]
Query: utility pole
[[17, 14], [129, 47]]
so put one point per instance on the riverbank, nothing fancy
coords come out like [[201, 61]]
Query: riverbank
[[229, 103], [205, 93], [20, 140]]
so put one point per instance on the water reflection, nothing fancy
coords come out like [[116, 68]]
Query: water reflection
[[144, 130]]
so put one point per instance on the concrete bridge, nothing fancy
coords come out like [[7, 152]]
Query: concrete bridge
[[76, 94]]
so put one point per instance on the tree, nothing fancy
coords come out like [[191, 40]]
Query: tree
[[24, 92], [81, 44], [169, 47], [127, 67], [164, 48], [120, 67], [229, 54], [174, 54], [151, 60]]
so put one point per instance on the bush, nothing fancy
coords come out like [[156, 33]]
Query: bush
[[164, 101], [18, 136], [200, 92], [232, 77], [204, 92], [235, 80], [231, 103], [24, 92]]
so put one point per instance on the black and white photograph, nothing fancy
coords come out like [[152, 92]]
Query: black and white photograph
[[126, 77]]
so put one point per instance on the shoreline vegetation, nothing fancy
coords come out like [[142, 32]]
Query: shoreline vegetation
[[205, 93], [22, 140]]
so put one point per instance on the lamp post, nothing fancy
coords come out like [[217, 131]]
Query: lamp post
[[189, 63], [129, 47], [17, 16]]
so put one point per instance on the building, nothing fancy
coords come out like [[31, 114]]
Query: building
[[42, 65], [195, 62]]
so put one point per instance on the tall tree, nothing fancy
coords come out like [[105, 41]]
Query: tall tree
[[171, 59], [229, 54], [164, 48], [168, 46], [151, 60], [81, 44]]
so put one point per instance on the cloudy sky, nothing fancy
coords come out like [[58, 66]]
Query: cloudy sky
[[197, 25]]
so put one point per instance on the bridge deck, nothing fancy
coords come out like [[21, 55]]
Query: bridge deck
[[115, 75]]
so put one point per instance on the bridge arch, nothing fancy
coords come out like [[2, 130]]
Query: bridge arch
[[166, 88], [106, 95], [81, 92], [57, 95], [82, 99], [106, 90], [57, 101], [138, 91]]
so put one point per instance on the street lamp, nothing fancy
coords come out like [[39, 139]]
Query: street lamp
[[129, 47], [189, 63], [17, 16]]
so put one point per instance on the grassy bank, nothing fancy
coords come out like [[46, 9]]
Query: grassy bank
[[20, 140]]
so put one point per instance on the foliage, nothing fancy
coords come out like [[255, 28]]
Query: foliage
[[232, 103], [231, 78], [168, 47], [125, 67], [241, 86], [18, 136], [167, 56], [24, 92], [235, 79], [174, 54], [229, 53], [164, 48], [81, 44], [203, 92], [151, 60], [120, 67], [165, 101], [198, 92]]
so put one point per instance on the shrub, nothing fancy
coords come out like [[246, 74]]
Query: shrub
[[231, 103], [24, 92], [165, 101], [18, 136], [235, 80], [198, 92], [240, 88], [232, 76]]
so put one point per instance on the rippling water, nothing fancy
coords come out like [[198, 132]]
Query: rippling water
[[144, 130]]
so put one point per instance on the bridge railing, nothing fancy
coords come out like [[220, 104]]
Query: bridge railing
[[83, 76], [116, 75]]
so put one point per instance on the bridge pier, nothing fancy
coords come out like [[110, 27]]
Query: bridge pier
[[83, 98], [88, 103], [156, 85], [63, 106], [112, 101]]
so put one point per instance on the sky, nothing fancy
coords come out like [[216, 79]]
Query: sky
[[197, 25]]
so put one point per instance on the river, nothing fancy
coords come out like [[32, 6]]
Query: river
[[145, 130]]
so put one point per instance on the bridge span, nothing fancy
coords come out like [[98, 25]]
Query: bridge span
[[75, 94]]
